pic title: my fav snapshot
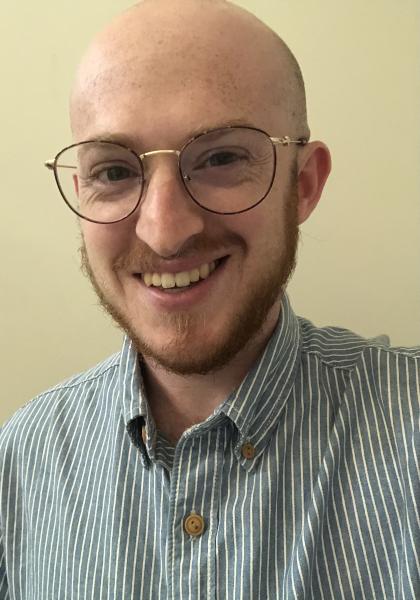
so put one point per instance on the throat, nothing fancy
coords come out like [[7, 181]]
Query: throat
[[178, 403]]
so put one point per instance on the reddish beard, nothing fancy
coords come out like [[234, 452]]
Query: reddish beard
[[180, 355]]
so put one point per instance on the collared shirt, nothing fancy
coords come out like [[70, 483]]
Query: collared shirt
[[303, 484]]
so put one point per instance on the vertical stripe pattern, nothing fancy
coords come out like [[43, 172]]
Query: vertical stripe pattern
[[306, 478]]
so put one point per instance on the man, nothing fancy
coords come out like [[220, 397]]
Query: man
[[230, 450]]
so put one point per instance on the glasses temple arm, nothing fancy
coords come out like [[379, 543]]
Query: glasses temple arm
[[286, 141]]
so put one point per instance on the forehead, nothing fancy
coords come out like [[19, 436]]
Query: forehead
[[162, 79], [165, 77]]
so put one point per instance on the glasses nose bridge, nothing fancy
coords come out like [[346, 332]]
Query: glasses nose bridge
[[156, 152], [152, 153]]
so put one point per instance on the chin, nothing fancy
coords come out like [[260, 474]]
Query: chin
[[186, 347], [196, 345], [187, 359]]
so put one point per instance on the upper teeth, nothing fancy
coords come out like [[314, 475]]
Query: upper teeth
[[181, 279]]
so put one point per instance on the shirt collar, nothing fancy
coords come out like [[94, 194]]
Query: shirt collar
[[254, 407]]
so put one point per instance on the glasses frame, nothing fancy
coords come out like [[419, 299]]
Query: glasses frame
[[53, 165]]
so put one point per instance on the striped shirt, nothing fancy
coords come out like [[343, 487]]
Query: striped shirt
[[304, 483]]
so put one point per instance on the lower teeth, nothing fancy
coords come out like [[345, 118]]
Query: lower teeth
[[178, 289]]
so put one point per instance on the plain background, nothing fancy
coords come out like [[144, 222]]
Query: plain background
[[359, 257]]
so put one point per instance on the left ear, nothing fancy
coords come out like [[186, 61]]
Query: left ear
[[314, 166]]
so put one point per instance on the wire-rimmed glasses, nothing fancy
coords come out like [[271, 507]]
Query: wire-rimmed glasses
[[226, 171]]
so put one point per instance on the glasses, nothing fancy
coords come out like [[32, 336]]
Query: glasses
[[225, 171]]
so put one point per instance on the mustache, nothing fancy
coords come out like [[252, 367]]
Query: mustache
[[141, 258]]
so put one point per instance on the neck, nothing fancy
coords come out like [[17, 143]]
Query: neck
[[177, 402]]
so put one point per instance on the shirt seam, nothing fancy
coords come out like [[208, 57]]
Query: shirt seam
[[327, 362], [336, 365], [64, 386]]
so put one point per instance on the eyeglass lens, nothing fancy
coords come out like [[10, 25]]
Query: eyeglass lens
[[225, 171]]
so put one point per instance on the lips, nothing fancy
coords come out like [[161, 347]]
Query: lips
[[186, 297]]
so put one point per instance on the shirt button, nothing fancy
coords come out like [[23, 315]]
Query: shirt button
[[194, 524], [248, 451]]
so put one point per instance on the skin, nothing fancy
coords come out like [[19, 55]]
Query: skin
[[157, 75]]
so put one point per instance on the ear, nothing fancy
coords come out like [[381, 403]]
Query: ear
[[314, 166]]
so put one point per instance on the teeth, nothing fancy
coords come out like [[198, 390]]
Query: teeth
[[147, 278], [204, 271], [182, 279], [179, 280], [168, 280], [194, 275]]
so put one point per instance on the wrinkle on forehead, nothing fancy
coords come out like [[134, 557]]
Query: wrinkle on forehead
[[167, 46]]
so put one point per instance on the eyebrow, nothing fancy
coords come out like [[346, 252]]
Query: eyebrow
[[136, 143]]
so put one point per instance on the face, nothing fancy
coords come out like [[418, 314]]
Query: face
[[197, 329], [250, 256]]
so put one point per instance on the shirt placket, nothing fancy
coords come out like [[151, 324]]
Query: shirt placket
[[194, 514]]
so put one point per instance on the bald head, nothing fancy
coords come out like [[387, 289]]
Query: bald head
[[159, 49]]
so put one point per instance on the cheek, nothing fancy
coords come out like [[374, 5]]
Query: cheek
[[103, 242], [261, 227]]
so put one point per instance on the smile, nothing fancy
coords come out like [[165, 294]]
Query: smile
[[181, 279]]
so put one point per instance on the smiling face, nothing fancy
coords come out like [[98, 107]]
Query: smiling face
[[153, 84]]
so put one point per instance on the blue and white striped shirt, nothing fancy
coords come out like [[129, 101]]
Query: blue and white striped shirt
[[304, 483]]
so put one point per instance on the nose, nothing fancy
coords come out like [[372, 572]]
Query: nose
[[167, 216]]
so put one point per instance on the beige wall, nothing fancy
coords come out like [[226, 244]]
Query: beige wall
[[359, 258]]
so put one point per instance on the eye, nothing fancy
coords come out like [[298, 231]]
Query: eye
[[113, 174], [221, 158], [116, 173]]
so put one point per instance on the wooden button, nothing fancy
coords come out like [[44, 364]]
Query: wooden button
[[248, 451], [194, 524]]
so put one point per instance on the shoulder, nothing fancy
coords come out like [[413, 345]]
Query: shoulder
[[341, 348], [78, 393], [371, 376]]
